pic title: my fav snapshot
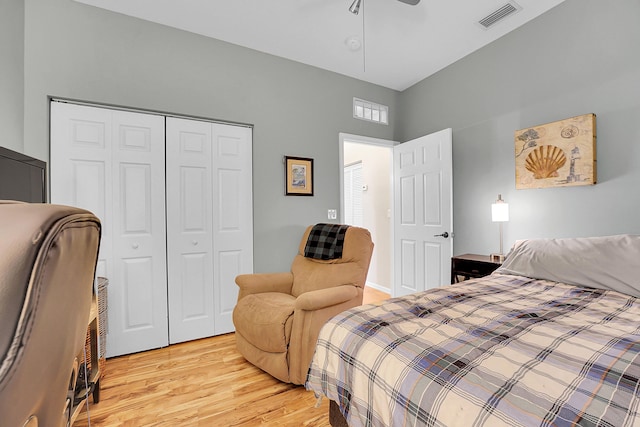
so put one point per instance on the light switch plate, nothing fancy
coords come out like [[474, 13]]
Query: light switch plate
[[332, 214]]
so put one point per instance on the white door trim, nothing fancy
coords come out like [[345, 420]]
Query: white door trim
[[146, 111]]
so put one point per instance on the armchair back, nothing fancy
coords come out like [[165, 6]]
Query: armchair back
[[48, 257], [314, 274]]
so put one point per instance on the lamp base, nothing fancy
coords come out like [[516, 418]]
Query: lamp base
[[497, 258]]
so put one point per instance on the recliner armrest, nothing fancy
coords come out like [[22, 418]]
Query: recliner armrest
[[312, 310], [316, 300], [264, 282]]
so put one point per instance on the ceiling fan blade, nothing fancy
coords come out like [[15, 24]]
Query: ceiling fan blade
[[411, 2]]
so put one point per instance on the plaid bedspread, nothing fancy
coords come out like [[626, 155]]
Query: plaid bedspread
[[498, 351]]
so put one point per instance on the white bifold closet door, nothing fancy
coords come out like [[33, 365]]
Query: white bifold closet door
[[112, 163], [353, 208], [209, 224], [171, 279]]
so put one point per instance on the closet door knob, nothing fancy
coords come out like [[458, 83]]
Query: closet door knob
[[194, 243], [135, 246]]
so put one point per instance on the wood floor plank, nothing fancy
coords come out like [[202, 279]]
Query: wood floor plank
[[201, 383]]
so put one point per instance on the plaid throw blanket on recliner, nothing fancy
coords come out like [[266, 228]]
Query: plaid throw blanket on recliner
[[325, 241]]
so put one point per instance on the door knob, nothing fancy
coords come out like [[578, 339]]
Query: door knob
[[445, 235], [135, 246]]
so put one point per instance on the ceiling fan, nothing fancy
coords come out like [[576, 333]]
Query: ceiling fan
[[355, 6]]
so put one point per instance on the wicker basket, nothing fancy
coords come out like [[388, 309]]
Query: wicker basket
[[102, 328], [87, 349], [103, 325]]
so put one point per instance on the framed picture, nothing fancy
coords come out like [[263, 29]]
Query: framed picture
[[557, 154], [298, 172]]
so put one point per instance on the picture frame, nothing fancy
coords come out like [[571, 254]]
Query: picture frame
[[557, 154], [298, 172]]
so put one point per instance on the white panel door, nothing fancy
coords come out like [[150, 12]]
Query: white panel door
[[138, 287], [232, 217], [112, 163], [423, 218], [80, 167], [189, 229]]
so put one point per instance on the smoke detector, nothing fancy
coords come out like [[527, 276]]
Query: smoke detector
[[353, 43]]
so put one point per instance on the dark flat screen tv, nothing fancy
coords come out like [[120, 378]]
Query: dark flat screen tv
[[22, 177]]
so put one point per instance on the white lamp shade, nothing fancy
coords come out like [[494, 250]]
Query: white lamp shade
[[500, 212]]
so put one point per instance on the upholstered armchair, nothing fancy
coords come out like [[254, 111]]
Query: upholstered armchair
[[48, 258], [279, 315]]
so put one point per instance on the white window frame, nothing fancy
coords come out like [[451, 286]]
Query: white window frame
[[370, 111]]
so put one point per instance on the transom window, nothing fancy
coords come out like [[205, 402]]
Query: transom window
[[370, 111]]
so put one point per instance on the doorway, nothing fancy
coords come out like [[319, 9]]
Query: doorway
[[366, 199], [411, 222]]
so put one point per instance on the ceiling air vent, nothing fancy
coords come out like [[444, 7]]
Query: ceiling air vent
[[499, 14]]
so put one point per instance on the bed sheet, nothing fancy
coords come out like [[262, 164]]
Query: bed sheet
[[503, 350]]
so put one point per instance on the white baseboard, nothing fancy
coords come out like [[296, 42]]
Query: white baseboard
[[379, 287]]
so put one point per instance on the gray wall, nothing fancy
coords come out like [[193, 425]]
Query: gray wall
[[81, 52], [580, 57], [11, 73]]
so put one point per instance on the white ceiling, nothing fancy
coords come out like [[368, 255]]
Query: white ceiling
[[403, 44]]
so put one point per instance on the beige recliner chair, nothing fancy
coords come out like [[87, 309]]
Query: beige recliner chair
[[279, 315], [48, 258]]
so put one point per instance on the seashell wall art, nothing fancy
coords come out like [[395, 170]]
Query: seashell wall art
[[558, 154]]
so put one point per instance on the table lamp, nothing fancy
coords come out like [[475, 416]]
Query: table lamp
[[499, 214]]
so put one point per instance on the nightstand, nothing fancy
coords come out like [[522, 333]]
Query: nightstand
[[471, 265]]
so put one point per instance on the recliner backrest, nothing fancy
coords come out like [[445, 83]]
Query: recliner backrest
[[352, 268], [48, 257]]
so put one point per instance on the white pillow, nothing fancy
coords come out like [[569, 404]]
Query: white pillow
[[610, 262]]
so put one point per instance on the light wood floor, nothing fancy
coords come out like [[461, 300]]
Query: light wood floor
[[201, 383]]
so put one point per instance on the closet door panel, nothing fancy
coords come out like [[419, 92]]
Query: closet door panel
[[189, 235], [134, 244], [230, 264], [89, 180], [230, 196], [80, 166], [112, 163], [138, 311], [232, 217], [194, 268], [138, 298], [174, 239]]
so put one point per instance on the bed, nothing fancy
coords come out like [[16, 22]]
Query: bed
[[552, 338]]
